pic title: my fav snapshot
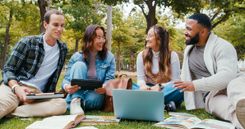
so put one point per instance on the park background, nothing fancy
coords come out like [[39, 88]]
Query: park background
[[126, 23]]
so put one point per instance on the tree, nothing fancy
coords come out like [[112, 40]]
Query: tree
[[220, 10], [80, 14], [120, 36], [148, 7], [11, 15], [128, 38], [10, 12], [42, 7], [233, 31], [109, 27]]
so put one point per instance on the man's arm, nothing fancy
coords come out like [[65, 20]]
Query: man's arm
[[15, 61], [226, 63], [12, 66]]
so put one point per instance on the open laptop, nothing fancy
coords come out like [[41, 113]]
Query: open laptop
[[138, 105]]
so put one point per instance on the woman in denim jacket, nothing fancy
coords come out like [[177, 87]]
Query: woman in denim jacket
[[94, 62]]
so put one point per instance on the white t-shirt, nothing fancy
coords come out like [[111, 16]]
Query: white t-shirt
[[48, 66], [175, 67]]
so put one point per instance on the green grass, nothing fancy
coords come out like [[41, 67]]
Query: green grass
[[22, 123]]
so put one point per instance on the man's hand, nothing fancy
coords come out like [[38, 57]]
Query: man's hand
[[71, 89], [21, 92], [184, 85]]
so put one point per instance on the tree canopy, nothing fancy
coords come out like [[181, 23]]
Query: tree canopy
[[22, 18]]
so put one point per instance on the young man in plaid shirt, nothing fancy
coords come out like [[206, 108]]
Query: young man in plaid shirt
[[35, 60]]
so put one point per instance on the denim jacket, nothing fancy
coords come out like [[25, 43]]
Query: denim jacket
[[105, 69]]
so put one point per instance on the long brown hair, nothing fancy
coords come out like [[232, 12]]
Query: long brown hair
[[89, 36], [164, 73]]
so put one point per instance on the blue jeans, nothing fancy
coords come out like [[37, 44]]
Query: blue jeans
[[170, 94], [89, 98]]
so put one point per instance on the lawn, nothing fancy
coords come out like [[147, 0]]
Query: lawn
[[21, 123]]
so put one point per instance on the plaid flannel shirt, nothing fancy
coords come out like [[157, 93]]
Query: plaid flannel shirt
[[26, 59]]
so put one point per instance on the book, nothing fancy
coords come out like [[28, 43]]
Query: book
[[86, 127], [189, 121], [99, 120], [57, 122], [71, 121], [44, 95]]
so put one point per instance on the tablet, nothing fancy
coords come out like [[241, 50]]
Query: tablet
[[44, 95], [87, 84]]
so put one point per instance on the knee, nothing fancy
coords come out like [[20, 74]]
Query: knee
[[235, 83], [79, 66], [59, 106], [94, 101], [79, 70], [8, 101]]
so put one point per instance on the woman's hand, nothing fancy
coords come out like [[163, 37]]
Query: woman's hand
[[155, 88], [145, 87], [71, 89]]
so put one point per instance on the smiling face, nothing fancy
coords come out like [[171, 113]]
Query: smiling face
[[55, 27], [192, 32], [152, 41], [98, 41]]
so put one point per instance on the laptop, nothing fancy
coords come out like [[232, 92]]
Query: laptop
[[138, 105], [44, 95]]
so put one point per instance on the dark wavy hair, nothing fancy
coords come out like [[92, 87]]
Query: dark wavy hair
[[89, 36], [162, 35]]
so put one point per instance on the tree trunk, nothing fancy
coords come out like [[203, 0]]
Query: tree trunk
[[109, 27], [42, 7], [151, 15], [6, 39], [118, 58], [77, 44], [132, 61]]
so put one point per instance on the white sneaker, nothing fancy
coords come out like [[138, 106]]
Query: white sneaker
[[75, 107]]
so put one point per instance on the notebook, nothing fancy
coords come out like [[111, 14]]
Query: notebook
[[138, 105], [87, 84]]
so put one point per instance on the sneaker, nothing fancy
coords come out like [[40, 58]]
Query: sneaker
[[170, 107], [75, 107], [240, 112]]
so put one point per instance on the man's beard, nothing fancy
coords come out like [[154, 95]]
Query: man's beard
[[193, 40]]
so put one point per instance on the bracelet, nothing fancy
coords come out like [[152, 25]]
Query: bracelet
[[13, 87]]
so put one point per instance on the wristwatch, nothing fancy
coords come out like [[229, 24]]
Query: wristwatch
[[13, 87]]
